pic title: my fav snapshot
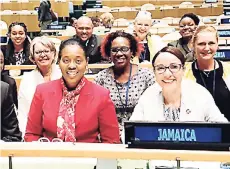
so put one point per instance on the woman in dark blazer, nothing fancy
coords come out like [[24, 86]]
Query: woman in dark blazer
[[72, 108]]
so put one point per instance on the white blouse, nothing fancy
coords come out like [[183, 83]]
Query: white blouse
[[27, 88]]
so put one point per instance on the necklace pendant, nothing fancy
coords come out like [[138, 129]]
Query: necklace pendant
[[206, 73]]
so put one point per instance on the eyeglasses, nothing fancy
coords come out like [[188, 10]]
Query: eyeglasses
[[42, 51], [173, 67], [123, 49]]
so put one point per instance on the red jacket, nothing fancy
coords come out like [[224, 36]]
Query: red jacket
[[95, 114]]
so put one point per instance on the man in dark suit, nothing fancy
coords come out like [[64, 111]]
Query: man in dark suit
[[9, 122], [91, 42], [6, 78]]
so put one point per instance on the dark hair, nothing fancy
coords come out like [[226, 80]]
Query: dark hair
[[10, 46], [71, 41], [71, 21], [95, 18], [194, 17], [107, 43], [172, 50]]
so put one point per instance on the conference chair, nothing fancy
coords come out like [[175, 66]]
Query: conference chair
[[147, 7], [169, 37], [186, 5]]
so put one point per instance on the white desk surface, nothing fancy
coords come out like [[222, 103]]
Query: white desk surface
[[105, 151]]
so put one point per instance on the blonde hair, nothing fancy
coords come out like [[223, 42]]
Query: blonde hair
[[45, 42], [204, 28], [107, 19], [143, 14]]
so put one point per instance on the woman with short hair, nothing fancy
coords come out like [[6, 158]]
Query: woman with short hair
[[187, 26], [43, 55], [151, 43], [126, 81]]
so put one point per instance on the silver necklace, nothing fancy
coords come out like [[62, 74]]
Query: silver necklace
[[206, 73]]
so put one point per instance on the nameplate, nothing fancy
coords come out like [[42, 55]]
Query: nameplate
[[3, 39], [178, 132], [223, 54], [56, 27], [224, 32], [225, 21], [227, 12]]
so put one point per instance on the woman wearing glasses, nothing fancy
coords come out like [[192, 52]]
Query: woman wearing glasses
[[72, 108], [125, 81], [174, 99], [187, 25], [43, 54], [211, 73]]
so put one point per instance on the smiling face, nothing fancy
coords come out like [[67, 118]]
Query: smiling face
[[187, 27], [120, 52], [168, 80], [142, 26], [73, 64], [84, 28], [43, 56], [18, 35], [205, 45]]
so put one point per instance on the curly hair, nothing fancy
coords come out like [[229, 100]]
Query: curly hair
[[10, 46], [135, 46]]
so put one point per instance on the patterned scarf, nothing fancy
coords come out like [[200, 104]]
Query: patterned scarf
[[171, 114], [66, 116]]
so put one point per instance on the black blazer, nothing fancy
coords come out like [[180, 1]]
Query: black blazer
[[92, 49], [13, 87], [9, 122]]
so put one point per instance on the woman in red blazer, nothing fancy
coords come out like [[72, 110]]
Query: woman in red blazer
[[72, 108]]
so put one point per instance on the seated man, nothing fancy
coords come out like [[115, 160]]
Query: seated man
[[9, 122], [91, 42]]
